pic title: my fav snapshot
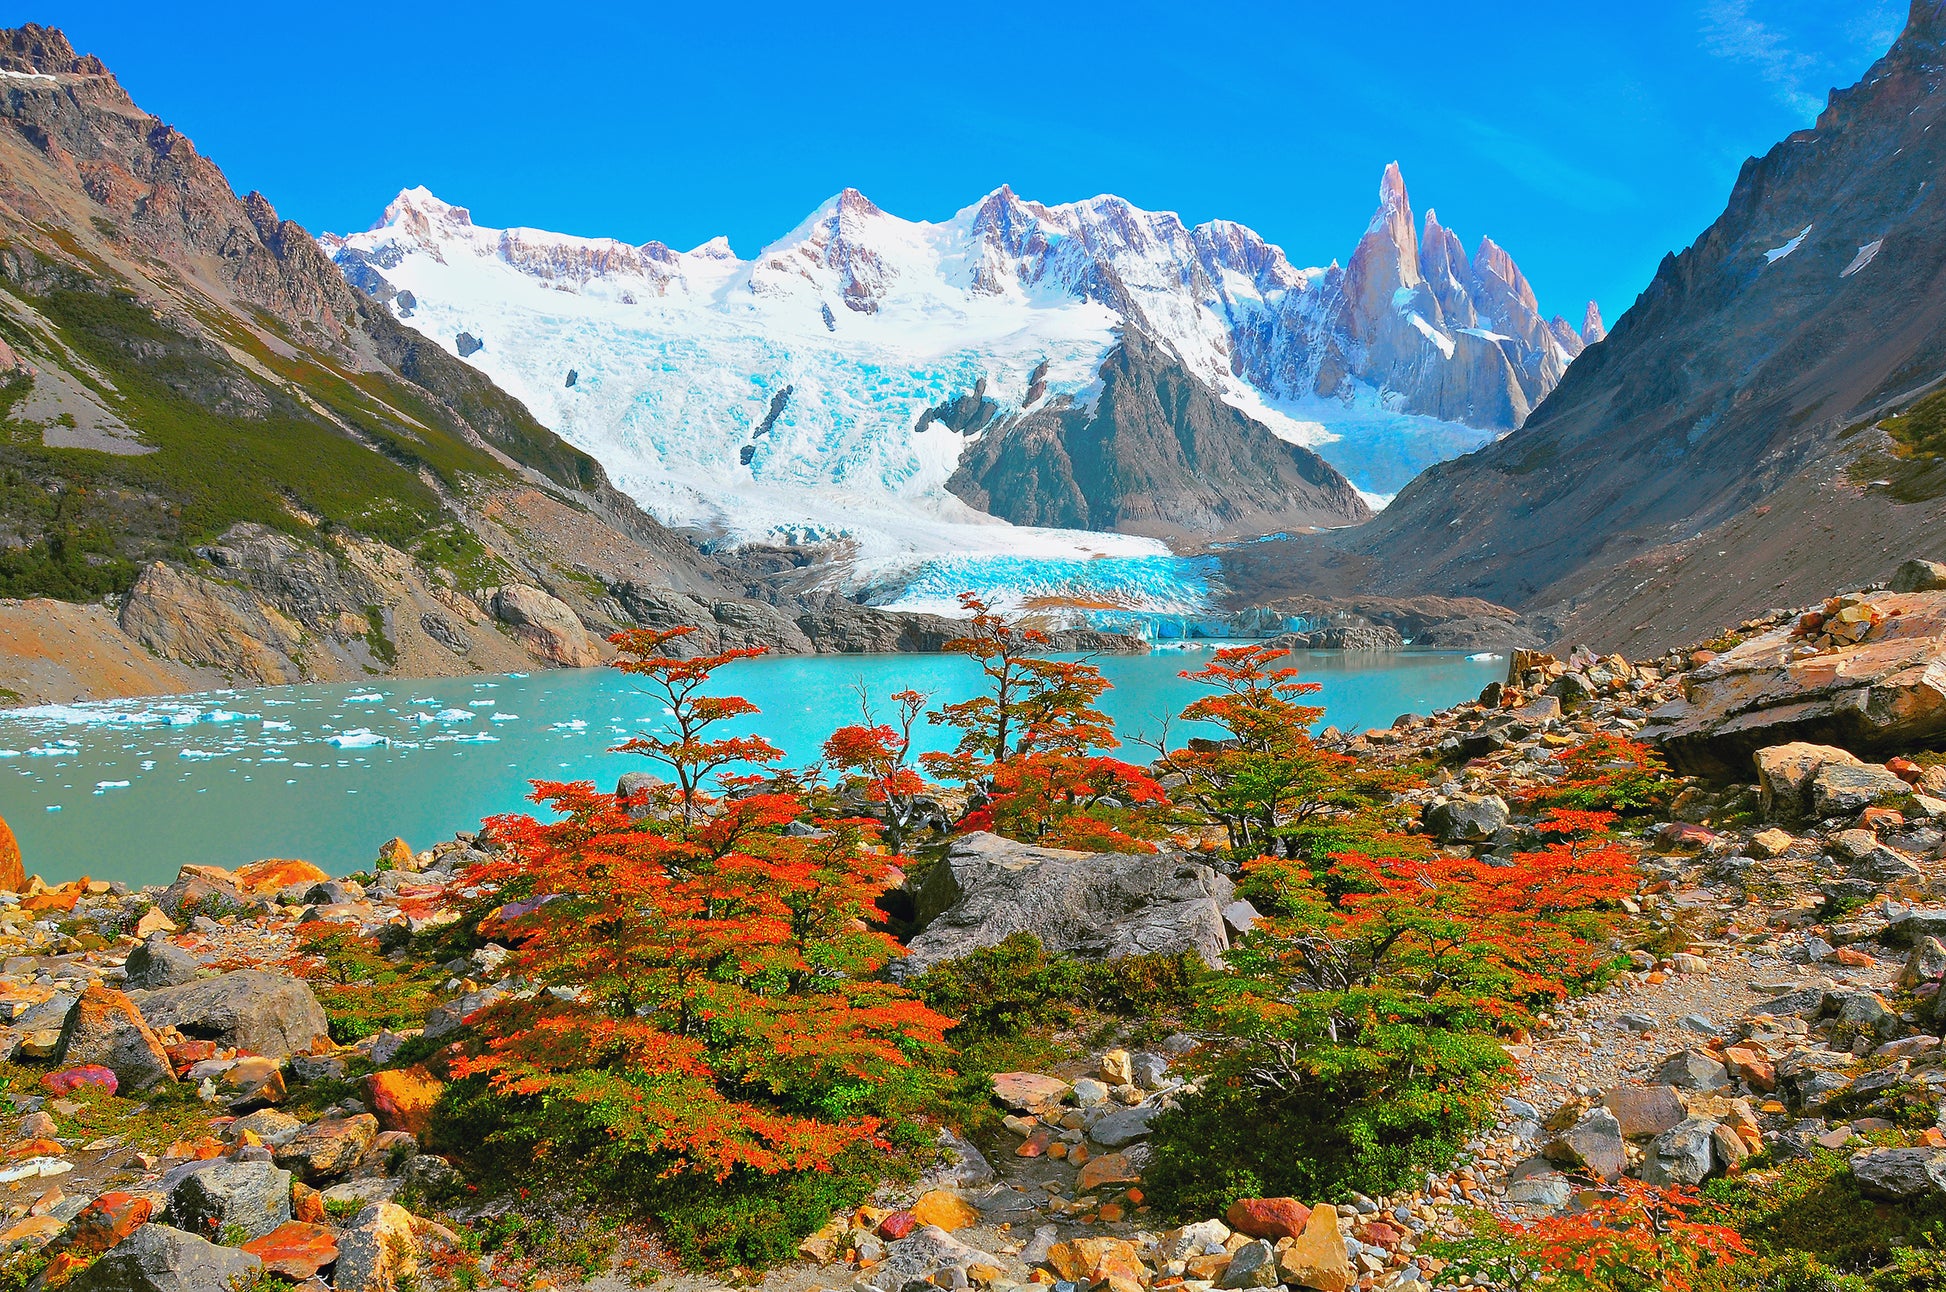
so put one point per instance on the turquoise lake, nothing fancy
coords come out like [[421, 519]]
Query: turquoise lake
[[134, 789]]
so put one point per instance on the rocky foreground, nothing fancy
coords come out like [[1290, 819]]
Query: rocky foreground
[[184, 1116]]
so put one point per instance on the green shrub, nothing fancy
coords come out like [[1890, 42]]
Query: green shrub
[[1374, 1118], [1813, 1205], [1018, 985]]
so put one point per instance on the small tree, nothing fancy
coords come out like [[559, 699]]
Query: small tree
[[1266, 780], [708, 999], [879, 755]]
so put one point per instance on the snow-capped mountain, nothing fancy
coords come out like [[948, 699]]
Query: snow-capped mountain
[[805, 394]]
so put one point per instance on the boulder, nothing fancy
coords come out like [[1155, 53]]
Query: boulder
[[328, 1149], [1919, 576], [1841, 789], [378, 1251], [104, 1027], [1887, 691], [1692, 1070], [945, 1210], [295, 1250], [1317, 1259], [156, 1258], [264, 1013], [13, 872], [254, 1197], [1467, 820], [1643, 1111], [1029, 1092], [1896, 1174], [1785, 772], [1271, 1218], [403, 1099], [156, 962], [921, 1254], [1683, 1154], [1124, 1126], [201, 890], [1097, 905], [544, 625], [271, 877], [1253, 1265], [1594, 1143]]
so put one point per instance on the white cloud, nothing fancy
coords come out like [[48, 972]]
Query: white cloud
[[1798, 49]]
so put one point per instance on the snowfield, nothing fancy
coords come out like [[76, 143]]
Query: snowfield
[[780, 399]]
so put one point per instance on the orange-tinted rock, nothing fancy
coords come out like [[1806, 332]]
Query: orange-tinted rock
[[35, 1148], [104, 1027], [1109, 1168], [397, 854], [1753, 1066], [30, 1232], [295, 1250], [307, 1204], [898, 1224], [1271, 1218], [13, 872], [271, 877], [947, 1211], [403, 1099], [105, 1222], [60, 899], [186, 1054]]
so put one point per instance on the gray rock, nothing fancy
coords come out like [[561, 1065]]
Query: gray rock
[[1920, 922], [1897, 1174], [449, 1017], [1919, 575], [1045, 1236], [1594, 1143], [157, 962], [1643, 1111], [1840, 789], [920, 1255], [1124, 1125], [1864, 1012], [1692, 1070], [1150, 1070], [265, 1013], [964, 1166], [156, 1258], [254, 1197], [1253, 1265], [1807, 1004], [104, 1027], [1467, 820], [1682, 1154], [1098, 905], [1927, 963], [1542, 1189]]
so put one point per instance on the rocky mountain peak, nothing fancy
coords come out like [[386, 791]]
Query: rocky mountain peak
[[1491, 258], [1592, 328], [424, 217], [32, 48]]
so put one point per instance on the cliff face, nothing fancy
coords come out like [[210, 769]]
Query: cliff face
[[1156, 453], [1733, 408]]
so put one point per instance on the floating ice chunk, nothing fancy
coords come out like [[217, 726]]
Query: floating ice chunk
[[225, 715], [276, 726], [358, 738], [9, 753], [506, 717], [148, 764], [572, 724], [102, 787], [454, 715], [1776, 254], [426, 699], [482, 704], [197, 755], [1484, 656], [472, 738], [367, 697]]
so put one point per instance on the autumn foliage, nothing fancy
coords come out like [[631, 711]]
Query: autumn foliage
[[707, 978]]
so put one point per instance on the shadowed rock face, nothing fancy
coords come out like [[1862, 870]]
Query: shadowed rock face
[[1816, 302], [1158, 454]]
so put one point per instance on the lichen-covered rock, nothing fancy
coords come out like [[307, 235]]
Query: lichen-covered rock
[[13, 871], [156, 962], [103, 1027], [156, 1258], [253, 1197], [1098, 905], [264, 1013], [328, 1149]]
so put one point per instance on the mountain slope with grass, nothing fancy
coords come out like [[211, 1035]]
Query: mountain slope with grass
[[268, 477]]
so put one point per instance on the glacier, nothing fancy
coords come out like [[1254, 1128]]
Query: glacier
[[784, 399]]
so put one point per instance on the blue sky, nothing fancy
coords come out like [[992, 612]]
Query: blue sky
[[1587, 139]]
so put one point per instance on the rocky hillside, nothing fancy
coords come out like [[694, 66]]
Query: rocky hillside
[[268, 476], [1726, 448], [1156, 453]]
